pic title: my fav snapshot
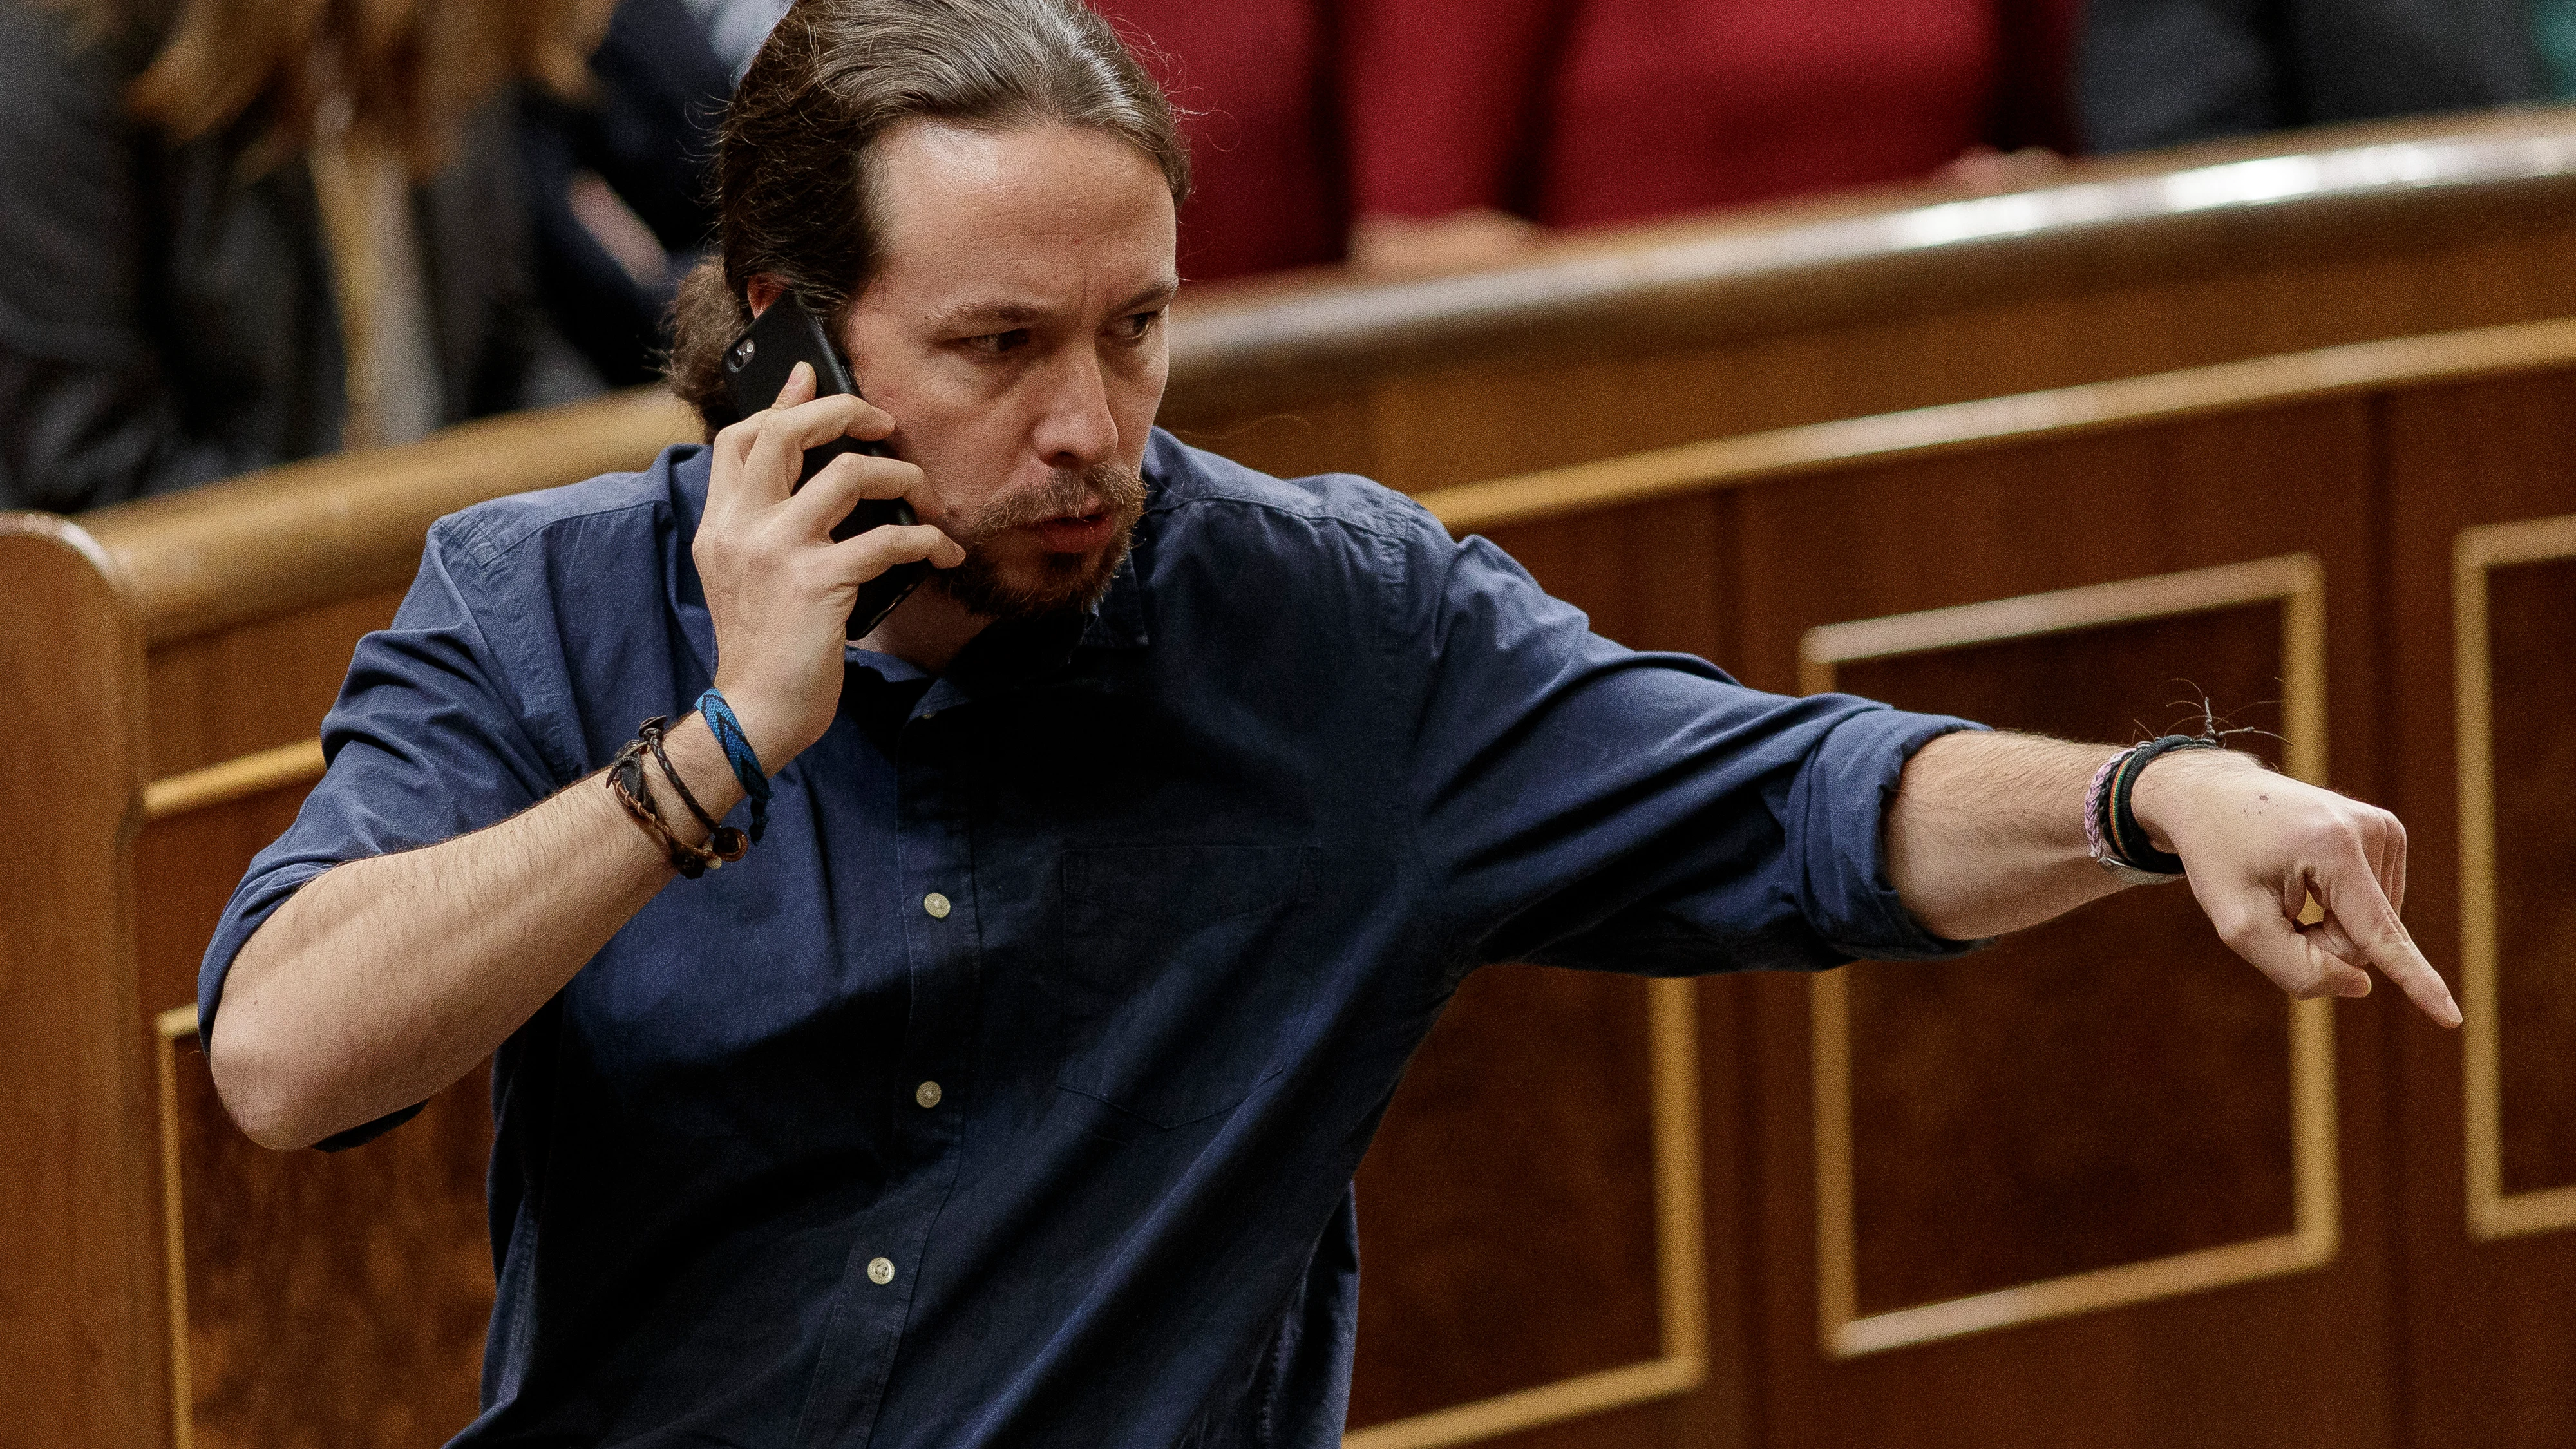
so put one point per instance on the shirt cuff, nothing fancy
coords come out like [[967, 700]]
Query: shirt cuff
[[1840, 802]]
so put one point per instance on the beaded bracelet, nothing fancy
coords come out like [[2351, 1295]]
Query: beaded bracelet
[[738, 753]]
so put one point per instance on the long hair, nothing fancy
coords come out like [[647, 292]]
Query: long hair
[[407, 70], [793, 170]]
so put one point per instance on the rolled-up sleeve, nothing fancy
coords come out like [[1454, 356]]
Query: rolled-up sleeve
[[1583, 804], [425, 743]]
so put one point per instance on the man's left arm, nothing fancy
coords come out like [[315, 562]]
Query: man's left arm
[[1986, 835]]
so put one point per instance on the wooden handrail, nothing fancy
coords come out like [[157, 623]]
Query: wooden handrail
[[330, 528], [333, 527], [2324, 372], [1774, 268], [314, 531]]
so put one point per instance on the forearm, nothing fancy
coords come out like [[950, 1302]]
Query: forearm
[[1986, 833], [384, 980]]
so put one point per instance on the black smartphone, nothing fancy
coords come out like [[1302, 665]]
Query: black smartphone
[[755, 368]]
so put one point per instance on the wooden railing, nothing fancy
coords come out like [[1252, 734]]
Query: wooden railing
[[1562, 1227]]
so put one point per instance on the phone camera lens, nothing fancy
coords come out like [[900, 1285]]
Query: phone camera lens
[[742, 352]]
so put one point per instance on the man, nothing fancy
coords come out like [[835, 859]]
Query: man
[[1008, 1089]]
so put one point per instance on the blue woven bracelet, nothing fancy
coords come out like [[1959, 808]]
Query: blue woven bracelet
[[738, 753]]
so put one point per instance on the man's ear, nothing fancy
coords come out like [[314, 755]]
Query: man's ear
[[762, 290]]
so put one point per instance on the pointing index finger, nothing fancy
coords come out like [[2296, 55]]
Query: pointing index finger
[[2352, 896]]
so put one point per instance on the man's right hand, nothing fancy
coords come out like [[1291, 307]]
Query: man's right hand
[[779, 588]]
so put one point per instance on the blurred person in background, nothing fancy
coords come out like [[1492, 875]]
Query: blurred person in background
[[617, 177], [2164, 72], [238, 232], [1474, 125]]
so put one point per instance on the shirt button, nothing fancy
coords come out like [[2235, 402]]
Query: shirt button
[[936, 904], [880, 1271], [927, 1094]]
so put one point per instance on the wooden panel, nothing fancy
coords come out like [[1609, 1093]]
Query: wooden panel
[[2301, 1359], [81, 1282], [217, 697], [1645, 574], [187, 866], [1485, 420], [2489, 1335], [2003, 1091], [1510, 1240], [2532, 634], [332, 1299], [1461, 1174]]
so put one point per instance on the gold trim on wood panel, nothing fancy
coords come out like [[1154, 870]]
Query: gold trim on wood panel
[[1680, 1261], [2298, 582], [2493, 1213], [174, 1026], [234, 779]]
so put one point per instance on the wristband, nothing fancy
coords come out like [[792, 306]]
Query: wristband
[[2111, 829], [738, 753]]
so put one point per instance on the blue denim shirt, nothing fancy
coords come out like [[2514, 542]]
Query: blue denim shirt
[[1213, 859]]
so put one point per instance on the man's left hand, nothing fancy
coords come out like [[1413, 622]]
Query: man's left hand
[[2259, 846]]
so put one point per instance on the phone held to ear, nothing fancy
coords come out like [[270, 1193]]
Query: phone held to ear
[[755, 368]]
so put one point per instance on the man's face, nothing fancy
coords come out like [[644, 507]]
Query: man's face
[[1015, 331]]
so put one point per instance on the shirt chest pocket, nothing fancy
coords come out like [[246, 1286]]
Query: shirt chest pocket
[[1178, 987]]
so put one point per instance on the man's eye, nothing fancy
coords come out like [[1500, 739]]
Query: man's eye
[[1138, 324], [997, 343]]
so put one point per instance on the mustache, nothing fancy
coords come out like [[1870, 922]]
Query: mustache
[[1111, 488]]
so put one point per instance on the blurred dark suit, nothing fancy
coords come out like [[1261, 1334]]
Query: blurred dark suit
[[648, 133], [167, 320], [2164, 72]]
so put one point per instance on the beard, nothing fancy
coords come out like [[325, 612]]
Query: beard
[[1054, 583]]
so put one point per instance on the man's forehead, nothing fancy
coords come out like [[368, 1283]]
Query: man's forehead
[[1008, 222]]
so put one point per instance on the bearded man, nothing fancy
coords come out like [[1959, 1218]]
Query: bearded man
[[1007, 1087]]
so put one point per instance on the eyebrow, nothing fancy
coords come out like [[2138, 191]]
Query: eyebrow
[[996, 315]]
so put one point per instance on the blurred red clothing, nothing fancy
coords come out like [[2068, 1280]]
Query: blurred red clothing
[[1595, 112], [1254, 86]]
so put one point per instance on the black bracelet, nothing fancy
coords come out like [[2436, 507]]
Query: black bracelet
[[723, 841], [2128, 839], [625, 779]]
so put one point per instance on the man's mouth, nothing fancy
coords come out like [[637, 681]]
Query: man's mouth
[[1076, 533]]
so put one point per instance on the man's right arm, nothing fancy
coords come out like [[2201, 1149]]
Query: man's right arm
[[384, 979]]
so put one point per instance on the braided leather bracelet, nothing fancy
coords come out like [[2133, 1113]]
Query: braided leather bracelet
[[625, 780], [2112, 834]]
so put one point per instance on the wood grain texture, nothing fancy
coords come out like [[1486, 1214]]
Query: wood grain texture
[[336, 1300], [258, 684], [81, 1275], [2255, 384], [2488, 1331], [2108, 1088], [186, 868], [332, 527], [1510, 1237], [1870, 540], [2532, 627]]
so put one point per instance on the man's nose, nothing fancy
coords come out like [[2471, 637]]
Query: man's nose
[[1076, 426]]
